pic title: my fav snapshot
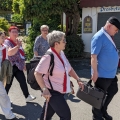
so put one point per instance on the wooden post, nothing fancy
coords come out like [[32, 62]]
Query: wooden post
[[61, 21]]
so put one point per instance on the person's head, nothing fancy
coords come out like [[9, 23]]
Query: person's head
[[2, 37], [57, 40], [13, 32], [112, 26], [44, 30]]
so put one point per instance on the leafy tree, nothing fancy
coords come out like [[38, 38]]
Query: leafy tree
[[45, 12], [41, 9], [17, 18], [5, 5], [4, 24]]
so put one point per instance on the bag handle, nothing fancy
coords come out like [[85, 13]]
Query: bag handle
[[90, 83], [51, 67]]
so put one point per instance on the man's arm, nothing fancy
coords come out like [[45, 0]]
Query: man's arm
[[94, 67]]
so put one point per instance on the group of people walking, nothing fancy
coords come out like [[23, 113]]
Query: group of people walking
[[104, 62], [11, 49]]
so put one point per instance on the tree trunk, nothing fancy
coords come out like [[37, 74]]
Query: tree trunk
[[74, 17], [61, 21], [75, 22]]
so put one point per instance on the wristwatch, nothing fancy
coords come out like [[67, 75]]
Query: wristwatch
[[44, 88], [79, 80]]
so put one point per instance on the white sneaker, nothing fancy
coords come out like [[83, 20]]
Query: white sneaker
[[30, 98]]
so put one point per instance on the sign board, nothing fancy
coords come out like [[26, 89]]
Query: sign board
[[109, 9], [87, 25]]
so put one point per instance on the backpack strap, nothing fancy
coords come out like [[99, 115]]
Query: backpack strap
[[51, 66], [51, 63]]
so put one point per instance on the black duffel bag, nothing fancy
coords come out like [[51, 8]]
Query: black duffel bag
[[92, 95], [30, 73]]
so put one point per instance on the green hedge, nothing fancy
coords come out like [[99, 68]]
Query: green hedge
[[74, 46], [29, 41], [4, 25]]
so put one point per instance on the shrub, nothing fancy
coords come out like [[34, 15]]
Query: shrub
[[74, 46], [17, 18], [4, 24], [29, 41], [64, 28], [1, 29]]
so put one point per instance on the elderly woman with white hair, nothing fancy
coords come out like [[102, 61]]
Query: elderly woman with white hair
[[60, 79], [41, 45]]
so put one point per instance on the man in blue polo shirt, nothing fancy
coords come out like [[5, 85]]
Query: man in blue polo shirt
[[104, 62]]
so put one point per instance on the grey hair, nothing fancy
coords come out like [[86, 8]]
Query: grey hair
[[55, 36], [44, 26]]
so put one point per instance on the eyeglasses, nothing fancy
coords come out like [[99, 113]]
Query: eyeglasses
[[62, 41], [14, 31], [45, 30]]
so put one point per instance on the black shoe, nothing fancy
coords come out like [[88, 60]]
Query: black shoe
[[107, 117]]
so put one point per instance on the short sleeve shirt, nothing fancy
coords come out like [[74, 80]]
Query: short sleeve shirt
[[15, 59], [58, 72], [107, 55], [40, 46]]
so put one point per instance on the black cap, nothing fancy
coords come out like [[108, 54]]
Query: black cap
[[114, 21]]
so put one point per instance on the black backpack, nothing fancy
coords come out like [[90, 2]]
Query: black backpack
[[31, 69]]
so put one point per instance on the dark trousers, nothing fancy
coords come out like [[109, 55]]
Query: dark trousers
[[58, 105], [19, 75], [111, 87]]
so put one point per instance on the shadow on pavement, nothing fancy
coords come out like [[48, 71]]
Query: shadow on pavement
[[31, 111], [71, 97], [2, 117], [82, 67]]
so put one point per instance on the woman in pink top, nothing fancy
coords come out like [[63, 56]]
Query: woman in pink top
[[60, 79]]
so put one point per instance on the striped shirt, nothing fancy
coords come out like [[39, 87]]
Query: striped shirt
[[15, 59]]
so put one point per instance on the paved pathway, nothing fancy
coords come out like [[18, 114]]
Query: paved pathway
[[79, 109]]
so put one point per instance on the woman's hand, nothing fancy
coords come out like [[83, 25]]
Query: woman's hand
[[80, 83], [24, 68], [19, 43], [46, 94], [94, 77]]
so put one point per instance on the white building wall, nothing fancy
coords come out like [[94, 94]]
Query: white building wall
[[86, 37], [64, 19], [28, 25], [93, 13]]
